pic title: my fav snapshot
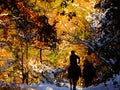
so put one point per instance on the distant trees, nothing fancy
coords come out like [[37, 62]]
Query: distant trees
[[104, 38], [106, 30], [58, 24], [22, 29]]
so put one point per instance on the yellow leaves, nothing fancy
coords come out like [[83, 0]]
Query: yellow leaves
[[56, 4], [4, 53], [87, 0], [85, 5], [2, 63]]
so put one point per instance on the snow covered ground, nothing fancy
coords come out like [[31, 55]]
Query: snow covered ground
[[112, 84]]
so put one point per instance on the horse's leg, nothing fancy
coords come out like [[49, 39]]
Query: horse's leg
[[74, 84], [70, 84]]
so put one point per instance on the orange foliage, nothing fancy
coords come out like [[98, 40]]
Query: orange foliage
[[28, 13], [3, 19]]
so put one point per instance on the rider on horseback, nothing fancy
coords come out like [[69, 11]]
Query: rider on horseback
[[74, 70]]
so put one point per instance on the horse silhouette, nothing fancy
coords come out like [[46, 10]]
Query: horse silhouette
[[74, 72], [89, 72]]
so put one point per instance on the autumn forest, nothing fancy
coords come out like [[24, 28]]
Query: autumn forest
[[34, 33]]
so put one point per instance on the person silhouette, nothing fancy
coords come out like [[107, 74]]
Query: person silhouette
[[74, 70], [74, 59]]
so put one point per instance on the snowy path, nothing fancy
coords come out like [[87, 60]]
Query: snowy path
[[113, 84]]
